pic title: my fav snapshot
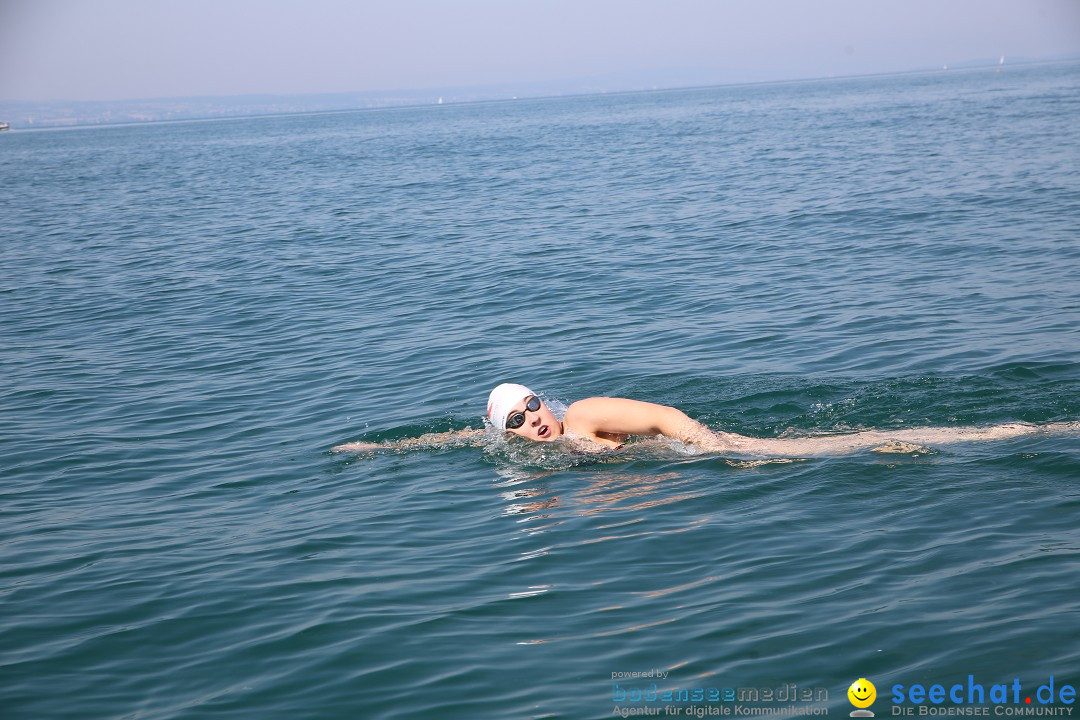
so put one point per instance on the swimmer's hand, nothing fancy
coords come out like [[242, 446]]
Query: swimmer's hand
[[901, 447], [357, 447], [468, 436]]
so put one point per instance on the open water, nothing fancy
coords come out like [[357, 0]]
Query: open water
[[193, 314]]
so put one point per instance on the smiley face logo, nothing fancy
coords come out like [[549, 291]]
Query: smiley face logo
[[862, 693]]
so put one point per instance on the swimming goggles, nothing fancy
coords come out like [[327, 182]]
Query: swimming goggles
[[517, 419]]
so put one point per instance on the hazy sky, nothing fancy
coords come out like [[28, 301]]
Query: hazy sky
[[115, 49]]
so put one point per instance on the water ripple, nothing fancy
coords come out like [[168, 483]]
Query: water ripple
[[194, 313]]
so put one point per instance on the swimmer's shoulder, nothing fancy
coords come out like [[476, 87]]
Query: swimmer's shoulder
[[588, 407], [591, 419], [583, 405], [583, 415]]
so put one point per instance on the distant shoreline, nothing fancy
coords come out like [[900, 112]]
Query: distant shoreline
[[245, 107]]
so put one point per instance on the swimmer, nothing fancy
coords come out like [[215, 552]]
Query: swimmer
[[603, 423]]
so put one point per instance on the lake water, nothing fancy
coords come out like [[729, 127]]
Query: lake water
[[195, 313]]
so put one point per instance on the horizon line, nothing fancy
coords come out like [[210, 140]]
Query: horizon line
[[944, 68]]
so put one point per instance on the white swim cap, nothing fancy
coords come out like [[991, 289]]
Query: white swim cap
[[502, 399]]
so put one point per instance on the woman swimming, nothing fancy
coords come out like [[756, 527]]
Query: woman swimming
[[599, 423]]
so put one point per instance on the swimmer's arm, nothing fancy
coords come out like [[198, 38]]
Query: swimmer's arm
[[468, 436], [622, 416]]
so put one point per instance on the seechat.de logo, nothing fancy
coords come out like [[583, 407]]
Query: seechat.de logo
[[862, 694]]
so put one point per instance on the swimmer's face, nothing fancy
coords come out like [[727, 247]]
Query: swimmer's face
[[540, 425]]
